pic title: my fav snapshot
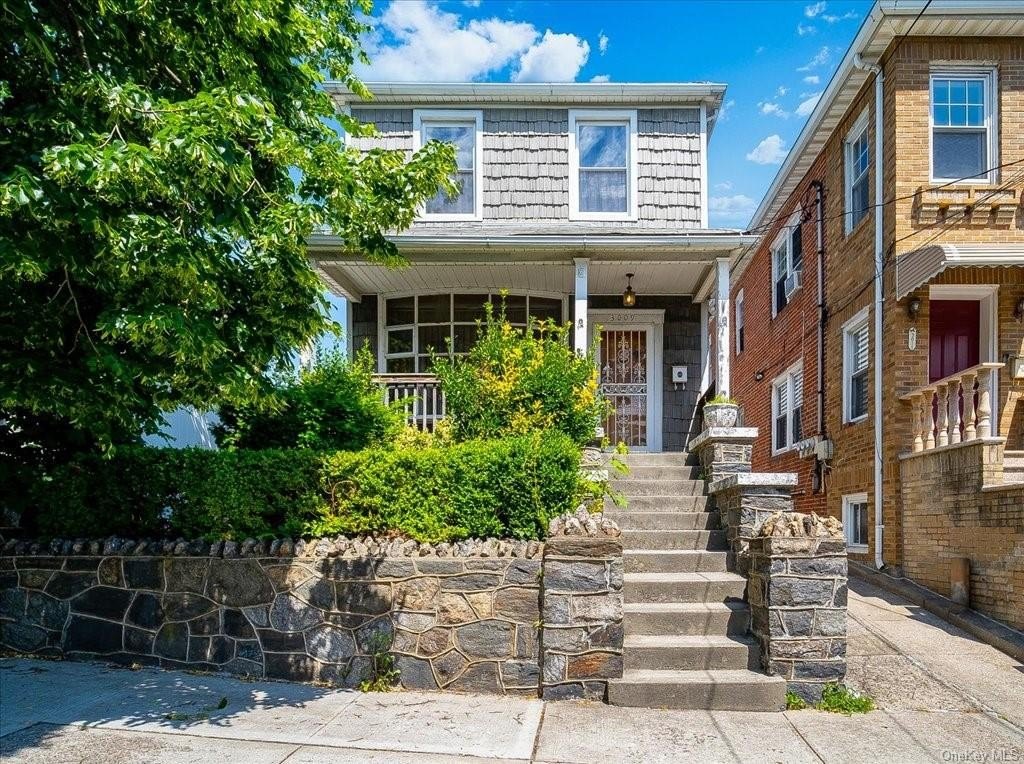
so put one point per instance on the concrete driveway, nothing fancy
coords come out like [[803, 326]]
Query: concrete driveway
[[943, 697]]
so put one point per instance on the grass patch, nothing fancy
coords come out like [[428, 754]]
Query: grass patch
[[198, 716], [836, 699], [794, 702]]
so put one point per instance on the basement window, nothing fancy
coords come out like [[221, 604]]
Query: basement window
[[855, 521]]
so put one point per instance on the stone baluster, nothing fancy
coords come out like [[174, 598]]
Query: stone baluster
[[929, 417], [954, 412], [984, 403], [917, 422], [943, 418], [968, 380]]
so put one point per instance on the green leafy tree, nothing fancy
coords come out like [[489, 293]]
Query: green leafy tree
[[162, 165]]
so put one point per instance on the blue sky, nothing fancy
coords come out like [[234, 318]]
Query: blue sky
[[776, 56]]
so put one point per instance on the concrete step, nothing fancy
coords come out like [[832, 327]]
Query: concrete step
[[714, 540], [657, 472], [682, 653], [687, 618], [667, 458], [669, 503], [683, 587], [674, 561], [632, 487], [664, 520], [725, 690]]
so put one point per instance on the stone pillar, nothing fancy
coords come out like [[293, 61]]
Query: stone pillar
[[744, 500], [724, 451], [797, 592], [581, 631]]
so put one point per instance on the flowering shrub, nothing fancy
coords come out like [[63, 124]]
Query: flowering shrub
[[516, 380]]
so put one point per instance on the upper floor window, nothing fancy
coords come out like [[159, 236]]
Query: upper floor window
[[787, 408], [855, 367], [787, 263], [963, 125], [602, 158], [462, 129], [740, 323], [856, 160]]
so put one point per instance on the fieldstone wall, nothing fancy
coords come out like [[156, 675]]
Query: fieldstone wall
[[797, 592], [744, 501], [582, 631], [724, 451]]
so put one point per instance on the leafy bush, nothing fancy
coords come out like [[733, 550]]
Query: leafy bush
[[335, 405], [506, 488], [515, 380]]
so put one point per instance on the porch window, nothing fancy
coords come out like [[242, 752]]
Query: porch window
[[462, 129], [418, 326], [787, 408], [855, 368], [963, 125], [855, 521], [740, 323], [603, 164], [856, 160], [787, 262]]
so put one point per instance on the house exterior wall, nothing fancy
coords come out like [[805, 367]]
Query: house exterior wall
[[364, 324], [526, 166]]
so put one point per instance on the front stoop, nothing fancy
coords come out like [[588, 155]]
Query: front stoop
[[687, 625]]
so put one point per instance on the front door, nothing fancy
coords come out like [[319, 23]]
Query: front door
[[953, 337]]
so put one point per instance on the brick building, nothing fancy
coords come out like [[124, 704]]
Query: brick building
[[896, 234]]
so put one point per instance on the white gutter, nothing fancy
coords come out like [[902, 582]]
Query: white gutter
[[390, 92], [584, 242], [879, 263]]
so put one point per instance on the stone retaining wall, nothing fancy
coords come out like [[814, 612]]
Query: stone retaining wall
[[457, 623], [744, 501]]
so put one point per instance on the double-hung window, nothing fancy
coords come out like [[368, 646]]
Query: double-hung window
[[855, 521], [963, 125], [855, 367], [740, 323], [787, 263], [787, 408], [462, 129], [602, 158], [856, 160]]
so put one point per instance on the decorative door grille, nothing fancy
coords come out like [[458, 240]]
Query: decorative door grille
[[624, 383]]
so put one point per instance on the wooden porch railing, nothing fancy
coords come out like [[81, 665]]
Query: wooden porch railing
[[953, 410], [420, 395]]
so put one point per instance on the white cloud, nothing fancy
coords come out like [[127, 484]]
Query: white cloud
[[820, 58], [759, 50], [773, 109], [601, 78], [815, 9], [812, 79], [723, 186], [737, 207], [414, 40], [602, 43], [805, 29], [781, 91], [556, 58], [807, 106], [723, 113], [772, 150], [845, 17], [471, 3]]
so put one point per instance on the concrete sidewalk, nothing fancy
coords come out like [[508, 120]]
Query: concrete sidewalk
[[944, 697]]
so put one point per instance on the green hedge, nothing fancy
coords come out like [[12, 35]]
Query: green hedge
[[504, 488]]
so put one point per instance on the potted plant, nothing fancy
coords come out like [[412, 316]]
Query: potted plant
[[721, 411]]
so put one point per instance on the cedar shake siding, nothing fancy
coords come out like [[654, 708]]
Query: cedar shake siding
[[526, 165]]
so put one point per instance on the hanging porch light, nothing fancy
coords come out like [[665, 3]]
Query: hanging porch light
[[629, 296]]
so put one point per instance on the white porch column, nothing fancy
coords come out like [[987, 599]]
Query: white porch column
[[723, 344], [581, 340]]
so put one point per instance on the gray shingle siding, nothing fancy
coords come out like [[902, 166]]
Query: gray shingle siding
[[526, 165]]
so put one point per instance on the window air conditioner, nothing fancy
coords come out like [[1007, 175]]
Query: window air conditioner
[[792, 283]]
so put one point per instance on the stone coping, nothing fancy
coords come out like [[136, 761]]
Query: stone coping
[[754, 479], [723, 434], [994, 441]]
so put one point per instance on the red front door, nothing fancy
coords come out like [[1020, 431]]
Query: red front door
[[953, 331]]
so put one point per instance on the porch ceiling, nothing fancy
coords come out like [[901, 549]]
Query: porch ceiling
[[921, 265], [353, 278]]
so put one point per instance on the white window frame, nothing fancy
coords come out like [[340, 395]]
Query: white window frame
[[860, 127], [968, 71], [784, 239], [848, 526], [455, 117], [602, 116], [740, 320], [850, 328], [788, 378]]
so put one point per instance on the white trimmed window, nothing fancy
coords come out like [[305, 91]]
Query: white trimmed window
[[855, 367], [855, 521], [416, 327], [463, 130], [602, 164], [963, 115], [740, 322], [787, 408], [856, 161], [787, 262]]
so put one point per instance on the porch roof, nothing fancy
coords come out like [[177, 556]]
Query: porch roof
[[920, 266]]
